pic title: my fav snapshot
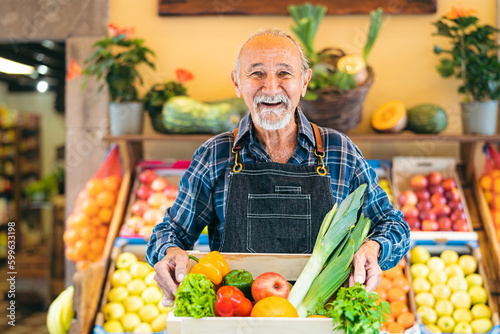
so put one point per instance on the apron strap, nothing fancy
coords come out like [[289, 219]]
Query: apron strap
[[317, 138], [237, 165]]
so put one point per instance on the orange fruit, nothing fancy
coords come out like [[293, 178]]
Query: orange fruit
[[402, 263], [69, 252], [394, 294], [89, 207], [317, 316], [398, 307], [70, 236], [93, 257], [406, 319], [112, 183], [382, 329], [381, 293], [105, 215], [94, 220], [80, 219], [401, 283], [106, 199], [97, 245], [81, 265], [388, 319], [81, 249], [102, 231], [94, 186], [88, 233], [70, 222], [274, 306], [394, 272], [385, 283], [395, 328]]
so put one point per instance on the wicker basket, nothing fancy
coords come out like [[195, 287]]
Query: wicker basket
[[336, 109]]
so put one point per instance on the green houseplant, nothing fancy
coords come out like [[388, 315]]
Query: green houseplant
[[473, 59], [115, 61]]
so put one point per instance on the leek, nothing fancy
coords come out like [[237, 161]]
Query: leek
[[333, 231]]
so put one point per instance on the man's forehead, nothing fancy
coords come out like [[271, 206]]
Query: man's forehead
[[262, 50]]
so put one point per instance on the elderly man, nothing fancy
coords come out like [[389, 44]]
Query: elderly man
[[259, 189]]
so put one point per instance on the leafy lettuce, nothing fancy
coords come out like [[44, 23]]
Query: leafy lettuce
[[195, 297]]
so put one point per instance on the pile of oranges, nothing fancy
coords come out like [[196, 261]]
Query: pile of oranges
[[88, 225], [491, 192], [394, 288]]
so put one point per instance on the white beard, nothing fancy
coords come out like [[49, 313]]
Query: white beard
[[264, 116]]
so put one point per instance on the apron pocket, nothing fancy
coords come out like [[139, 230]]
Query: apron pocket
[[279, 223]]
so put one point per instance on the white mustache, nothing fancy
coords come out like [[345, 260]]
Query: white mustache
[[271, 99]]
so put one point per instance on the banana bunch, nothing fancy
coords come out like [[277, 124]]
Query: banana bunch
[[61, 312]]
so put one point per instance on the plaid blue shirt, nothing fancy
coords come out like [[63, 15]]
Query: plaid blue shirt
[[203, 190]]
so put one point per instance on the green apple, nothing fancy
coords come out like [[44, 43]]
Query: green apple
[[117, 294], [468, 264], [436, 263], [143, 328], [482, 325], [136, 286], [449, 257], [433, 328], [419, 254], [113, 311], [460, 299], [462, 327], [446, 323], [164, 309], [148, 312], [425, 298], [436, 277], [427, 314], [120, 277], [140, 269], [420, 284], [150, 279], [419, 270], [443, 307], [125, 260], [478, 295], [152, 295], [480, 311], [441, 291], [113, 326], [160, 323], [457, 283], [454, 270], [130, 321], [474, 279], [133, 303], [462, 314]]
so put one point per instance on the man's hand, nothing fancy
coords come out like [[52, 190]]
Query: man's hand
[[366, 268], [170, 271]]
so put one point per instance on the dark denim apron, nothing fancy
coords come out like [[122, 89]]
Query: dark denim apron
[[276, 208]]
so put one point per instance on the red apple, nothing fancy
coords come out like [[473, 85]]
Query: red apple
[[430, 225], [409, 211], [427, 215], [434, 178], [159, 184], [143, 192], [413, 223], [139, 207], [438, 199], [457, 214], [445, 224], [456, 205], [422, 195], [442, 210], [453, 194], [433, 189], [448, 183], [460, 225], [424, 205], [407, 197], [152, 216], [419, 182], [269, 284], [171, 192], [147, 176]]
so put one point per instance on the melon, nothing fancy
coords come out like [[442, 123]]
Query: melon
[[390, 117]]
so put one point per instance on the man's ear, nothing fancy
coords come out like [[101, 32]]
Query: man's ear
[[234, 78], [307, 78]]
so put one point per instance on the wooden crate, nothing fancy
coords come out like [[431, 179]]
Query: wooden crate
[[289, 266], [404, 168]]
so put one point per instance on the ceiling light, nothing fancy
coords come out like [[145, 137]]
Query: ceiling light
[[42, 69], [42, 86], [13, 67]]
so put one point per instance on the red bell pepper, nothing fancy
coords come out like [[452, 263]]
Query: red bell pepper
[[231, 302]]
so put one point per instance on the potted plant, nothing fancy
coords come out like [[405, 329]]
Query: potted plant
[[115, 59], [339, 82], [473, 59]]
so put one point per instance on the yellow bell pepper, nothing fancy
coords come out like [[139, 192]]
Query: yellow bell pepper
[[213, 265]]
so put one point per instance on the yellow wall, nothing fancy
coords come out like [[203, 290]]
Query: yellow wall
[[402, 57]]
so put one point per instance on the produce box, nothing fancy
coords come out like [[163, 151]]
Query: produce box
[[383, 170], [458, 275], [289, 266], [428, 192]]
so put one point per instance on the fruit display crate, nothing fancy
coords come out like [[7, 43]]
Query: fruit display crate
[[405, 168], [383, 170], [289, 266], [470, 248]]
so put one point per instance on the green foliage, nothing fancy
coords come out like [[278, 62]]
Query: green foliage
[[161, 92], [195, 297], [376, 20], [115, 59], [355, 310], [472, 57], [47, 186]]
